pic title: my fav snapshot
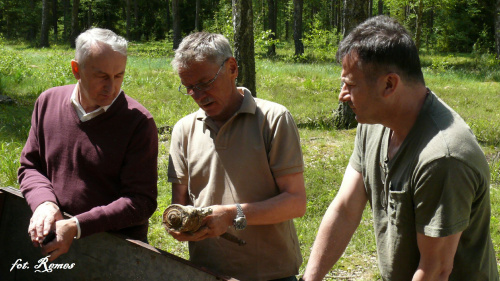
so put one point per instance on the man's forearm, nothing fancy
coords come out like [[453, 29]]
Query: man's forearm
[[121, 213], [333, 237]]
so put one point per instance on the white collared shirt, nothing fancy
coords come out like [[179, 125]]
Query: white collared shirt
[[84, 116]]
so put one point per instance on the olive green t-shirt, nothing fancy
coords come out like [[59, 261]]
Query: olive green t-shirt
[[437, 184], [238, 163]]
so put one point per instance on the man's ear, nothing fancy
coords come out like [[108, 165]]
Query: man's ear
[[392, 81], [75, 67], [233, 67]]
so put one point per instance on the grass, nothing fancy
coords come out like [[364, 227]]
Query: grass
[[468, 83]]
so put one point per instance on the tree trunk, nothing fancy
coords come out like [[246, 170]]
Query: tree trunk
[[67, 19], [168, 25], [353, 15], [75, 29], [418, 35], [297, 26], [370, 8], [136, 32], [339, 15], [54, 18], [497, 29], [244, 50], [344, 117], [380, 7], [90, 20], [197, 26], [331, 14], [176, 24], [44, 35], [272, 19], [128, 18], [33, 26]]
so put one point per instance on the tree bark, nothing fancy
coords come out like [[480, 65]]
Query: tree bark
[[497, 29], [418, 35], [197, 26], [90, 20], [176, 24], [54, 18], [244, 50], [272, 19], [67, 19], [44, 35], [128, 18], [353, 15], [298, 6], [344, 117], [136, 32], [380, 7], [75, 29], [169, 26]]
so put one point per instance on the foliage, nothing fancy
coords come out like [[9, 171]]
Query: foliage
[[222, 21], [263, 40], [308, 90], [323, 41], [20, 19], [448, 25], [460, 24]]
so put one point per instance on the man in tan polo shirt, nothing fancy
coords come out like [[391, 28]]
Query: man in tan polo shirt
[[241, 156]]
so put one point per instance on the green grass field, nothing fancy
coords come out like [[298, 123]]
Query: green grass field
[[469, 84]]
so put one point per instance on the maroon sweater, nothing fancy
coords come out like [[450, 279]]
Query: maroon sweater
[[104, 170]]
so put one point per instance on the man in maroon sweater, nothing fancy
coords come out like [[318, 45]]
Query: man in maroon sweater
[[91, 152]]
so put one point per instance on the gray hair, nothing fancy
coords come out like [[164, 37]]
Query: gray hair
[[202, 46], [96, 37]]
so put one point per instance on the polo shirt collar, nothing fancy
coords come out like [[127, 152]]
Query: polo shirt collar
[[247, 106]]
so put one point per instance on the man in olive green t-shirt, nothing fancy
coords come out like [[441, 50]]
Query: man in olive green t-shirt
[[415, 160]]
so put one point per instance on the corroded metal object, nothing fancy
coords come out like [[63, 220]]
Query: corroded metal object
[[184, 218], [189, 219]]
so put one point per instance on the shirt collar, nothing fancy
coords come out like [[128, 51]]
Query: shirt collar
[[79, 108], [247, 106]]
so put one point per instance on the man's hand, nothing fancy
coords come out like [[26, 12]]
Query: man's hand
[[65, 231], [213, 225], [42, 221]]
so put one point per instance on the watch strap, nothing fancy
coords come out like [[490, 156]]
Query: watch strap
[[239, 211]]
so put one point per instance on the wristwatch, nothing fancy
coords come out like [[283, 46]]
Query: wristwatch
[[240, 222]]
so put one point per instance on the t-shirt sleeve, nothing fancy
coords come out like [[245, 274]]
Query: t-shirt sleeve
[[285, 154], [177, 164], [356, 156], [443, 195]]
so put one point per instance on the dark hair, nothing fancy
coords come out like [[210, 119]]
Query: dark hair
[[383, 45]]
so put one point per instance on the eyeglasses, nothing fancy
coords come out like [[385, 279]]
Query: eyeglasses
[[200, 87]]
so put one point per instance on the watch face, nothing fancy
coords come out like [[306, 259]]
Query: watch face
[[240, 223]]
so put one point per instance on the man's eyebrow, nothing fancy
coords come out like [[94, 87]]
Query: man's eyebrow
[[99, 71]]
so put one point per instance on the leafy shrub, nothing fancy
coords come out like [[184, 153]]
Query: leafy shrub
[[323, 43], [222, 22], [263, 41]]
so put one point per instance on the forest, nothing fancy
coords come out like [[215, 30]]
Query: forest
[[293, 46], [457, 26]]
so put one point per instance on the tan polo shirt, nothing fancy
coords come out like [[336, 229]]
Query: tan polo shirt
[[238, 163]]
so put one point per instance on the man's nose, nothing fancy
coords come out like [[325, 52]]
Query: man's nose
[[344, 95], [196, 94], [110, 85]]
